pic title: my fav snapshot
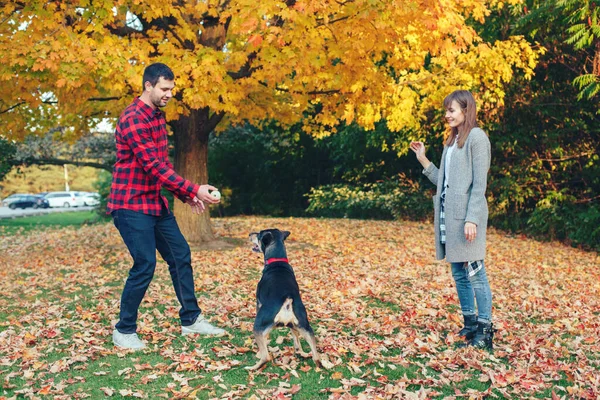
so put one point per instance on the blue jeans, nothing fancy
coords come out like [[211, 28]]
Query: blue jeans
[[144, 234], [471, 288]]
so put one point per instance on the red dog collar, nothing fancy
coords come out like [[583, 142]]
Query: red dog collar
[[272, 260]]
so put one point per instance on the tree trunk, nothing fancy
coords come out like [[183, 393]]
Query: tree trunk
[[191, 162], [191, 144]]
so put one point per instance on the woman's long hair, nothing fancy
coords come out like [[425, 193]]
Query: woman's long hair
[[465, 100]]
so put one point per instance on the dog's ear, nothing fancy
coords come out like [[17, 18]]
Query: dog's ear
[[285, 234], [265, 238]]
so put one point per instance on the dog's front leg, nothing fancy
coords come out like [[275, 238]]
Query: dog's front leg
[[263, 351], [297, 344]]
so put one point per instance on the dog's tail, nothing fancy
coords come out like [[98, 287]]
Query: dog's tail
[[286, 315]]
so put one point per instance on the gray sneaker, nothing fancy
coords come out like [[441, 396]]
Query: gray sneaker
[[127, 340], [203, 327]]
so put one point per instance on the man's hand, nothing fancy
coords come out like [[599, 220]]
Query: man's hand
[[206, 197], [203, 196], [196, 204]]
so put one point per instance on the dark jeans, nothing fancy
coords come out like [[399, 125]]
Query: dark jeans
[[144, 234]]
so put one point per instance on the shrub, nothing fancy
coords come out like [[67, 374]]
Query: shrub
[[395, 198], [585, 226], [558, 216], [102, 185]]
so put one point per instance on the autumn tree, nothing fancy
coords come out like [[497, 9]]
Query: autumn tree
[[66, 64]]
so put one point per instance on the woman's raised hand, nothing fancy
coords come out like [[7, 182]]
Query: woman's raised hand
[[418, 148]]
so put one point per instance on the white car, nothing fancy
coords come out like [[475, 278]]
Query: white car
[[90, 199], [62, 199]]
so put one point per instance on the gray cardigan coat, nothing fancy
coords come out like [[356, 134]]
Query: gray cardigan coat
[[465, 198]]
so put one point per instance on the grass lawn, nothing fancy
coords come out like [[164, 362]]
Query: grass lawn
[[56, 220], [384, 312]]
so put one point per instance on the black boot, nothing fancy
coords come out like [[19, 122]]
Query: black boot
[[484, 336], [468, 331]]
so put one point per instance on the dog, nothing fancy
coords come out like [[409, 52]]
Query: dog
[[278, 301]]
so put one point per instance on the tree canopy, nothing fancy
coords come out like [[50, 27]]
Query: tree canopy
[[68, 63]]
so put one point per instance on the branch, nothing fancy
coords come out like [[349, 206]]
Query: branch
[[214, 120], [313, 92], [58, 161], [223, 6], [56, 102], [123, 30], [10, 108], [187, 44], [589, 153], [11, 14], [530, 104], [589, 200], [214, 32], [245, 71], [104, 98], [332, 21]]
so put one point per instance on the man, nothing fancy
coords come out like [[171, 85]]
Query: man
[[141, 213]]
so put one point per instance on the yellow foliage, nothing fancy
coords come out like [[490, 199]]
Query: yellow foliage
[[361, 61], [48, 178]]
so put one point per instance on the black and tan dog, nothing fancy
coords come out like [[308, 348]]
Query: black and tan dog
[[278, 301]]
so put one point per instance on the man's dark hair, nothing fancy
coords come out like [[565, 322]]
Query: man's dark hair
[[154, 72]]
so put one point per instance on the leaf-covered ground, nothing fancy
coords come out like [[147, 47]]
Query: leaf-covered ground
[[384, 311]]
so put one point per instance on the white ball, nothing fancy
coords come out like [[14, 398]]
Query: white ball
[[216, 194]]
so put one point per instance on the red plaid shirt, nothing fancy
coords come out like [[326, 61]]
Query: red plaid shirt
[[143, 165]]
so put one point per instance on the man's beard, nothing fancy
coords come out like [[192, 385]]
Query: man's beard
[[158, 102]]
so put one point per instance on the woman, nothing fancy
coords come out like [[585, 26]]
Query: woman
[[461, 212]]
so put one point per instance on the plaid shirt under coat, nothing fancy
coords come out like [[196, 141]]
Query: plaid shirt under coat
[[143, 165]]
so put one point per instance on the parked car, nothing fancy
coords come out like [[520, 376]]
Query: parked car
[[90, 199], [29, 201], [13, 197], [80, 198], [62, 199], [41, 201]]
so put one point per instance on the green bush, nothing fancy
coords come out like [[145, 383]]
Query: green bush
[[102, 185], [585, 227], [7, 154], [558, 217], [395, 198], [346, 201]]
